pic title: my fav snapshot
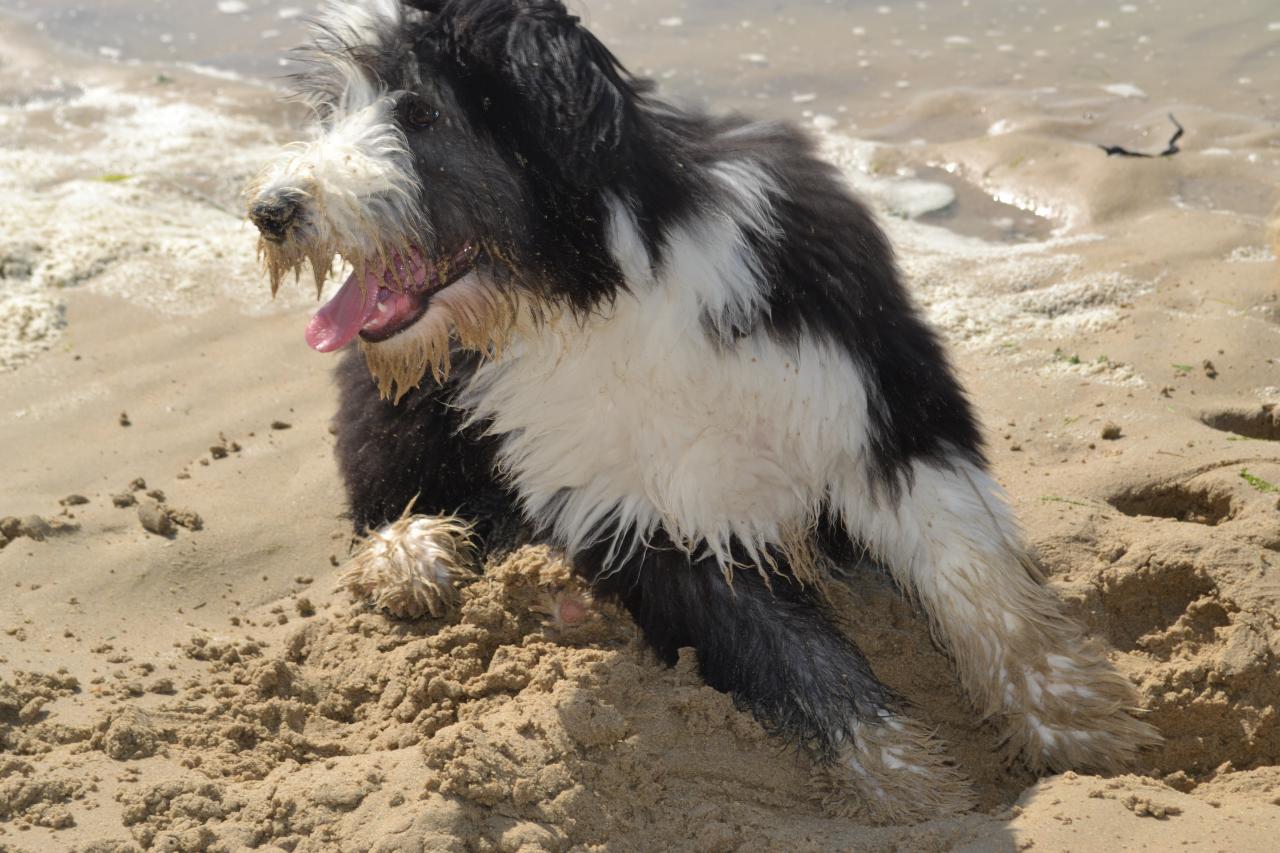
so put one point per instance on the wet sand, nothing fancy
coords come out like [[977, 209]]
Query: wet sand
[[1116, 321]]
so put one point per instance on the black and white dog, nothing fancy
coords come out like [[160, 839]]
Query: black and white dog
[[675, 348]]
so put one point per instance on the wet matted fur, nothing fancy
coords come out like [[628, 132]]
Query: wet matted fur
[[676, 348]]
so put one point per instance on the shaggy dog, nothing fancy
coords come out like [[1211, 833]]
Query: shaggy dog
[[674, 347]]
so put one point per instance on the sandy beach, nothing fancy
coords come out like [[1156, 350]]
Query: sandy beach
[[179, 672]]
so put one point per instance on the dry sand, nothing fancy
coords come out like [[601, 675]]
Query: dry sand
[[207, 689]]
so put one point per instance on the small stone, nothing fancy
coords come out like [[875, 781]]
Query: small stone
[[156, 495], [35, 527], [74, 500], [305, 607], [125, 499], [138, 485], [10, 527], [217, 451], [1209, 370], [154, 519], [124, 419], [281, 425], [1111, 431]]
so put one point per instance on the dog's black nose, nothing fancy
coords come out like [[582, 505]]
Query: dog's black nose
[[274, 213]]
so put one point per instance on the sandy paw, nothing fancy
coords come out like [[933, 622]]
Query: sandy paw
[[1076, 713], [892, 772], [410, 567]]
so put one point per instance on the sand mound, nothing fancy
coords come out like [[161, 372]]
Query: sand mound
[[498, 728], [498, 724]]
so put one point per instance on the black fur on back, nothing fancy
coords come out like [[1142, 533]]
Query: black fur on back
[[833, 274], [586, 127]]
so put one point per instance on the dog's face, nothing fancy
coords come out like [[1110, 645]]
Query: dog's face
[[462, 151]]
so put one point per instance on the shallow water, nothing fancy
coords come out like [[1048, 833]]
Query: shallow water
[[981, 118], [850, 66], [1222, 54]]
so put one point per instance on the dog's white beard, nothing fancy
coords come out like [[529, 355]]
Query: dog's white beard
[[473, 312]]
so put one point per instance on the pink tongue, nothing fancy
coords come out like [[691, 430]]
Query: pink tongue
[[340, 320], [351, 308]]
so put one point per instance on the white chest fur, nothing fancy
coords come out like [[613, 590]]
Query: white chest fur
[[636, 419]]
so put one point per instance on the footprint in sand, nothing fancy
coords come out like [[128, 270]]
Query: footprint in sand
[[1261, 423], [1195, 503]]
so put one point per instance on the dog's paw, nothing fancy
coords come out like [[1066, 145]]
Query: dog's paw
[[409, 567], [894, 771], [1073, 711]]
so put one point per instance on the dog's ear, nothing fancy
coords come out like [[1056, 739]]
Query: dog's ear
[[567, 95]]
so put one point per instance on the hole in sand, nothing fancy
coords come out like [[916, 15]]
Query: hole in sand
[[1181, 502], [1161, 607], [1262, 423]]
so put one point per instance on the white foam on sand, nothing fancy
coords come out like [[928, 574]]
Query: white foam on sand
[[1124, 90], [127, 194], [28, 323], [992, 296], [134, 195], [1251, 255]]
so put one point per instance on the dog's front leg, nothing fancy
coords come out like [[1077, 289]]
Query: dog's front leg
[[950, 540], [770, 644]]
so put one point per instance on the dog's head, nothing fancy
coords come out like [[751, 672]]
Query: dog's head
[[461, 159]]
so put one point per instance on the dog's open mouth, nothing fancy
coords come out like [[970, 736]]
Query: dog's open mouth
[[391, 297]]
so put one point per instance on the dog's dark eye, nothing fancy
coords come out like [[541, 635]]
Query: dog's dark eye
[[418, 114]]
